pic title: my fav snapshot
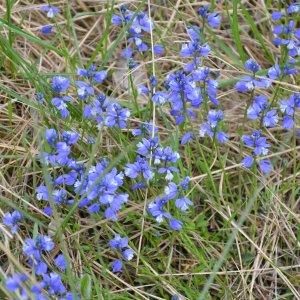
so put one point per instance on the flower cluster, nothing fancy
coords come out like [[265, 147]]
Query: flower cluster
[[287, 35], [51, 11], [260, 109], [48, 282], [196, 48], [106, 112], [213, 19], [11, 220], [288, 108], [174, 193], [152, 159], [137, 24], [212, 126], [189, 94], [99, 189], [120, 244], [59, 86], [99, 108], [259, 146], [96, 186], [251, 83]]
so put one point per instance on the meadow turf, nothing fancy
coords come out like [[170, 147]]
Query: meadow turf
[[240, 239]]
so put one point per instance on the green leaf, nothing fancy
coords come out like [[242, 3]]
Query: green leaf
[[28, 36], [86, 286], [236, 31], [257, 34]]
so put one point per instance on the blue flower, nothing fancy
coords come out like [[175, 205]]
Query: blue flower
[[159, 98], [147, 146], [156, 209], [40, 268], [42, 193], [260, 109], [116, 20], [143, 90], [166, 156], [222, 137], [270, 118], [248, 161], [289, 68], [66, 179], [186, 138], [118, 242], [183, 203], [60, 197], [92, 73], [184, 184], [51, 136], [141, 23], [47, 29], [137, 40], [117, 265], [146, 129], [138, 185], [211, 128], [259, 146], [11, 220], [203, 11], [213, 19], [293, 8], [84, 90], [70, 137], [88, 73], [140, 166], [127, 53], [274, 72], [265, 166], [288, 109], [257, 142], [183, 91], [61, 105], [128, 254], [99, 190], [276, 15], [153, 81], [121, 244], [116, 116], [61, 262], [50, 10], [252, 66], [35, 247], [170, 191], [158, 49], [63, 150], [53, 284], [206, 130], [97, 109], [209, 85], [14, 282], [60, 84], [175, 224], [100, 76], [195, 48], [288, 36], [249, 83], [95, 208]]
